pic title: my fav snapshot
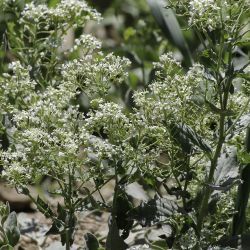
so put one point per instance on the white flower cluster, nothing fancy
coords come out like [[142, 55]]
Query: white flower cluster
[[170, 95], [47, 139], [101, 149], [87, 44], [239, 102], [46, 110], [110, 118], [144, 144], [17, 91], [63, 14], [95, 75], [211, 14], [127, 138], [205, 13], [49, 133], [168, 65]]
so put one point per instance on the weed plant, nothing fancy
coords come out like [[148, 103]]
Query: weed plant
[[188, 126]]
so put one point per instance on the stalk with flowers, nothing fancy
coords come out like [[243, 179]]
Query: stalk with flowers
[[187, 127], [221, 28]]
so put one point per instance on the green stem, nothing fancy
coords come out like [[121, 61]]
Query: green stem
[[113, 213], [207, 191], [71, 208], [69, 228], [221, 140], [67, 239]]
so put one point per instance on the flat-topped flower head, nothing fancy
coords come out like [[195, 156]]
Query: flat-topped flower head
[[209, 15], [87, 44], [17, 86], [205, 13], [95, 75], [63, 14]]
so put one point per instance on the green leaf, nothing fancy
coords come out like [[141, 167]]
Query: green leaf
[[244, 157], [114, 240], [159, 245], [91, 199], [244, 76], [56, 228], [181, 139], [62, 213], [167, 21], [5, 211], [6, 247], [187, 137], [65, 221], [243, 42], [11, 229], [91, 242], [44, 208], [154, 211], [129, 32], [2, 242]]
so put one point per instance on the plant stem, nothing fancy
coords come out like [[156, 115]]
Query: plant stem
[[224, 96], [71, 209], [207, 191], [67, 239]]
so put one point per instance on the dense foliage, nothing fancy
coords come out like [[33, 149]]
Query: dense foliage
[[179, 127]]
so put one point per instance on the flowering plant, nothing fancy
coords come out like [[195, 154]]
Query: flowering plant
[[186, 127]]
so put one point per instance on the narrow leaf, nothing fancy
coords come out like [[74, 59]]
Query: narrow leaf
[[44, 208], [167, 21], [62, 213], [226, 174]]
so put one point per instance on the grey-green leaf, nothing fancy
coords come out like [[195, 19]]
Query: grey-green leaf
[[154, 211], [11, 229], [227, 171]]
